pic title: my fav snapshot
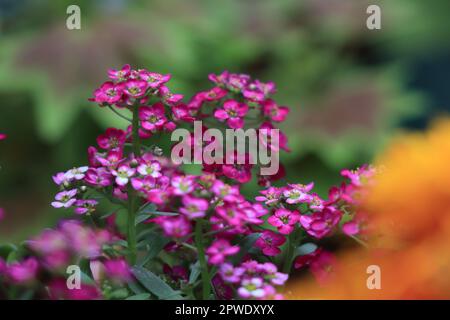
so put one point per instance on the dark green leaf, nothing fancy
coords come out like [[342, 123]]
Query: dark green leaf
[[305, 249], [154, 284], [142, 296], [245, 245]]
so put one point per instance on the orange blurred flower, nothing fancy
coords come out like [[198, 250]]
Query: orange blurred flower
[[409, 209]]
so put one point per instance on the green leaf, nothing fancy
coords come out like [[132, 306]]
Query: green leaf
[[154, 284], [6, 249], [195, 272], [305, 249], [245, 245], [142, 296], [141, 218], [156, 242]]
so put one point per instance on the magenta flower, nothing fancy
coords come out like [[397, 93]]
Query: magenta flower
[[232, 112], [269, 242], [225, 191], [176, 273], [298, 193], [273, 111], [214, 94], [121, 74], [65, 199], [265, 138], [24, 271], [319, 224], [360, 176], [3, 136], [123, 174], [145, 184], [152, 118], [270, 196], [2, 213], [117, 270], [284, 220], [177, 227], [154, 80], [194, 207], [231, 274], [113, 138], [108, 93], [58, 290], [135, 88], [99, 177], [61, 179], [219, 250], [168, 97], [222, 290], [241, 172], [85, 206]]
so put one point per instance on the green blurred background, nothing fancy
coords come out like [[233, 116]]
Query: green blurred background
[[350, 89]]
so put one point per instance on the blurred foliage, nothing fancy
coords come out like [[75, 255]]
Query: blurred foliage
[[348, 87]]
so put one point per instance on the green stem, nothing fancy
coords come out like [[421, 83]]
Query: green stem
[[289, 253], [202, 259], [132, 197]]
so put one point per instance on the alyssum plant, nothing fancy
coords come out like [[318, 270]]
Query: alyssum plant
[[187, 236]]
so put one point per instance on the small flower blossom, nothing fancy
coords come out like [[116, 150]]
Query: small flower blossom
[[232, 112], [154, 80], [269, 242], [298, 193], [76, 173], [135, 88], [65, 199], [117, 270], [319, 224], [284, 220], [273, 111], [219, 250], [231, 274], [22, 272], [85, 206], [113, 138], [99, 177], [152, 118], [123, 174], [150, 169], [270, 196], [182, 185], [177, 227], [121, 74], [194, 207], [252, 288], [108, 93]]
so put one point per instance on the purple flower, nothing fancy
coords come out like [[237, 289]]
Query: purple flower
[[123, 174], [231, 274], [194, 207], [65, 199], [219, 250]]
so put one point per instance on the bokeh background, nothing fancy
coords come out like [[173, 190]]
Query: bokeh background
[[350, 89]]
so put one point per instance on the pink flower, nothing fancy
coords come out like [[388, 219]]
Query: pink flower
[[65, 199], [252, 288], [266, 134], [236, 169], [58, 290], [154, 80], [111, 159], [182, 112], [319, 224], [3, 136], [231, 274], [99, 177], [214, 94], [85, 206], [222, 290], [225, 191], [168, 97], [273, 111], [176, 273], [135, 88], [153, 118], [284, 220], [123, 174], [269, 242], [357, 226], [145, 184], [22, 272], [298, 193], [152, 169], [183, 185], [76, 173], [113, 138], [121, 74], [219, 250], [233, 112], [108, 93], [2, 213], [177, 227], [316, 204], [270, 196], [322, 266], [359, 176], [194, 207], [118, 270]]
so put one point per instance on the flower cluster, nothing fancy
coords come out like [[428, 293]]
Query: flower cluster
[[196, 232], [45, 260], [253, 280]]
